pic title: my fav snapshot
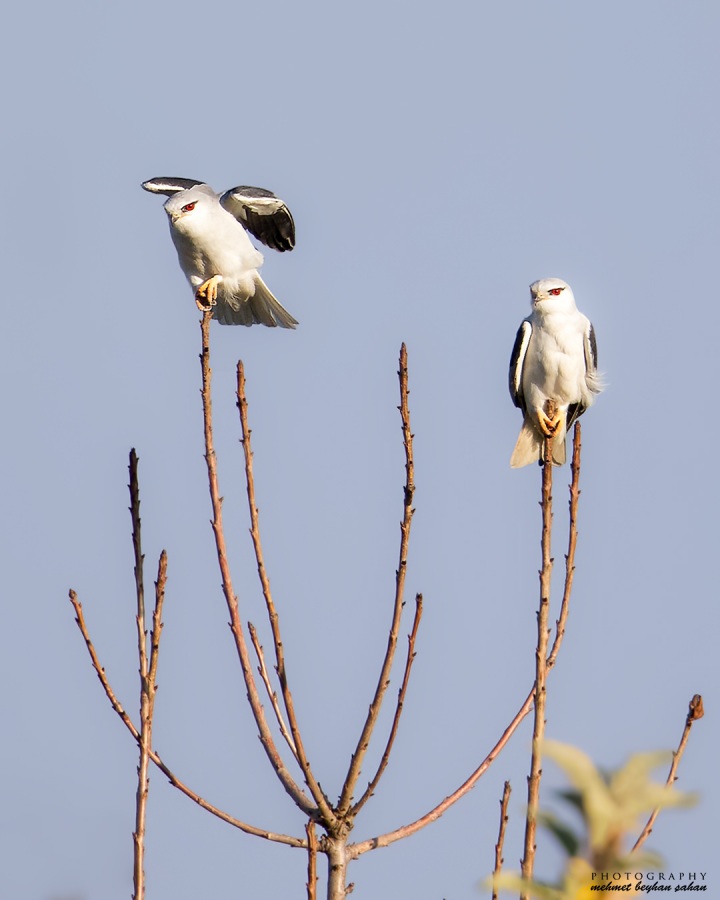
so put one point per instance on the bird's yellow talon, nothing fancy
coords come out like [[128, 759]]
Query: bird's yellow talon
[[548, 426], [206, 294]]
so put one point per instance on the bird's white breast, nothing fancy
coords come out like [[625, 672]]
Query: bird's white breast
[[215, 243], [555, 362]]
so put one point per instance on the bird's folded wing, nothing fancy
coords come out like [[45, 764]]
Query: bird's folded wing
[[593, 377], [591, 356], [517, 361]]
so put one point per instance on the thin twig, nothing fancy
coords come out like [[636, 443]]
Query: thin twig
[[312, 860], [157, 621], [155, 757], [384, 840], [572, 545], [286, 779], [412, 637], [138, 558], [147, 710], [384, 679], [501, 836], [143, 782], [541, 654], [695, 712], [323, 803], [272, 696], [147, 673]]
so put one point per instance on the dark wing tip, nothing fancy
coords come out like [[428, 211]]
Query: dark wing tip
[[593, 346], [169, 186], [264, 215], [575, 410]]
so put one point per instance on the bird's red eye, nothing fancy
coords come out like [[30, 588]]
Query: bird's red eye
[[554, 291], [189, 207]]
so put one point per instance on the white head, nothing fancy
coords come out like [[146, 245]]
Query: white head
[[551, 293], [187, 209]]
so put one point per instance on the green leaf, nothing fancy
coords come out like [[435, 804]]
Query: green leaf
[[569, 841]]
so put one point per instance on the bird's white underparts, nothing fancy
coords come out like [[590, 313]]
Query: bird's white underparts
[[210, 233], [553, 371]]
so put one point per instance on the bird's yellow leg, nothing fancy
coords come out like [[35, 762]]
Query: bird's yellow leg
[[206, 294], [548, 425]]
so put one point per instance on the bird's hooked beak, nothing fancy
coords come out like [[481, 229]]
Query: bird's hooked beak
[[175, 212], [537, 296]]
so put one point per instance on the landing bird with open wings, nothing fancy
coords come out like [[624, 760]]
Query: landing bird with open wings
[[210, 233]]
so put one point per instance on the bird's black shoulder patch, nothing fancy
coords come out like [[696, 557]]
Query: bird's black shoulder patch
[[517, 361]]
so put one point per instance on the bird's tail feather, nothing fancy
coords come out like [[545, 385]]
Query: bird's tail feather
[[260, 309], [266, 307], [530, 446], [558, 445]]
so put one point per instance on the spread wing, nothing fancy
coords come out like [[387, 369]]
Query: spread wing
[[517, 362], [169, 186], [263, 214]]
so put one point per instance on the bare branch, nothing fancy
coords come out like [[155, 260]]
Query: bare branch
[[272, 696], [541, 655], [148, 690], [287, 781], [99, 670], [312, 860], [139, 560], [370, 790], [155, 757], [141, 794], [384, 679], [157, 620], [501, 836], [572, 544], [318, 794], [147, 678], [384, 840], [337, 856], [695, 712], [404, 831]]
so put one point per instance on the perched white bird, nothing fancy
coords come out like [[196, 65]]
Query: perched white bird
[[554, 358], [215, 252]]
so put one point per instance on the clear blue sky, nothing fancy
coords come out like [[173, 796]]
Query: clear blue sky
[[437, 159]]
